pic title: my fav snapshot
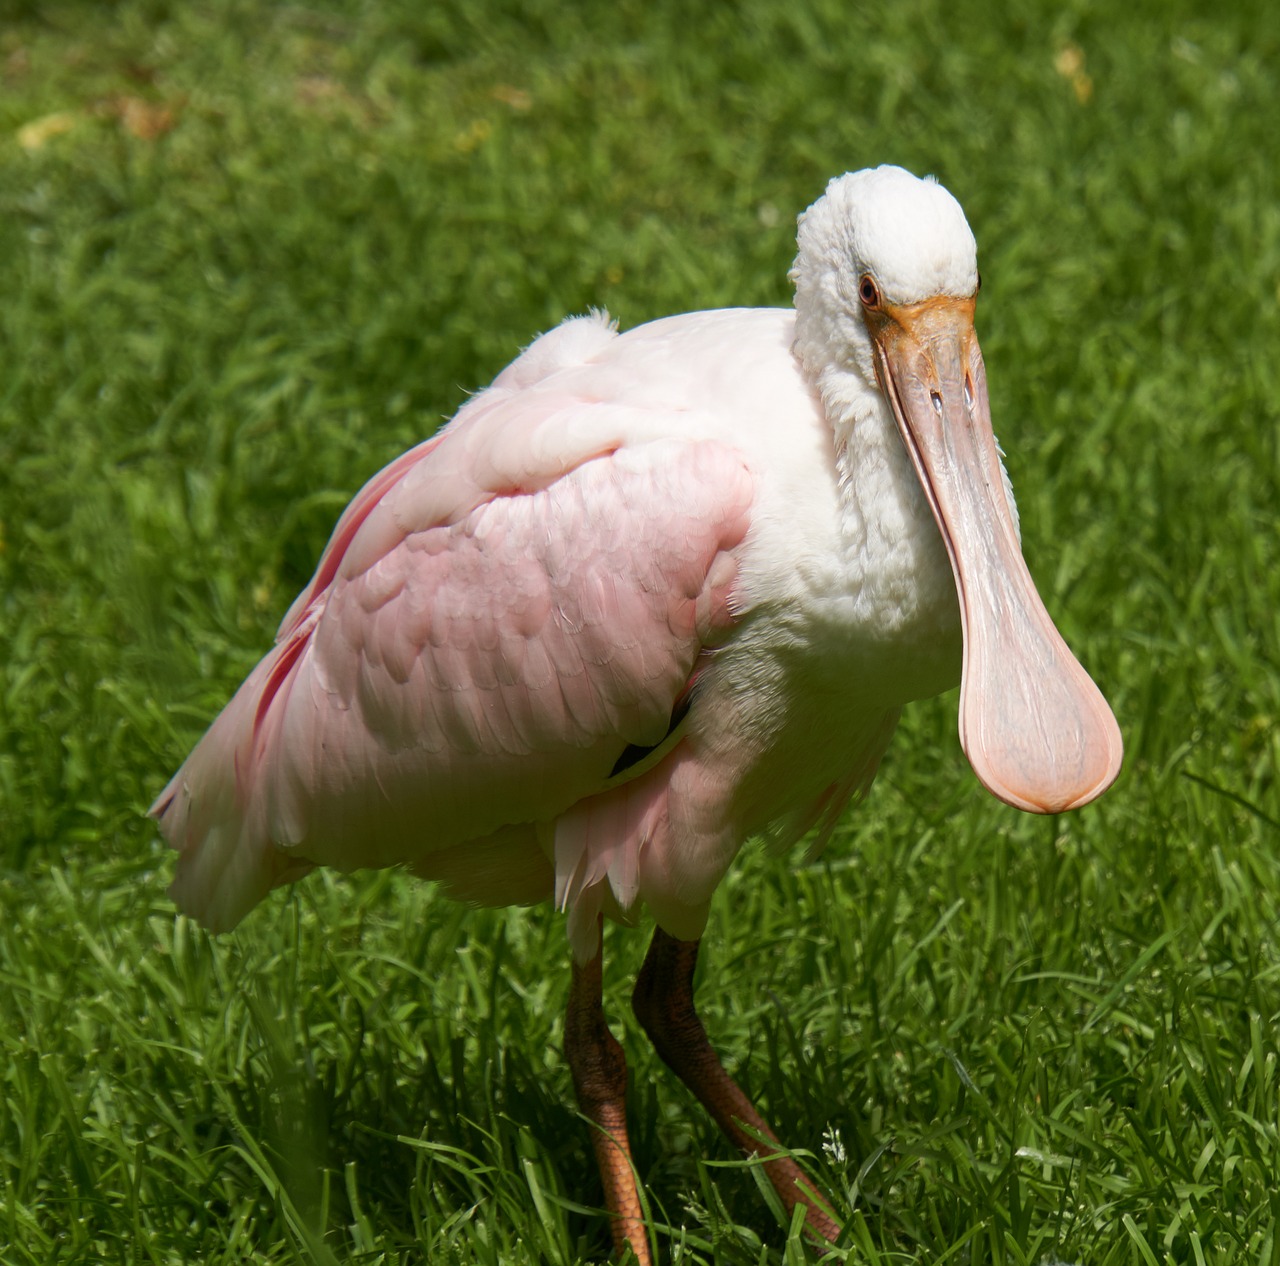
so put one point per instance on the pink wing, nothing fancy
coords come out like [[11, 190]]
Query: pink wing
[[499, 616]]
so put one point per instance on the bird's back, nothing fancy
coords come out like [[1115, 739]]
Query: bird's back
[[613, 550]]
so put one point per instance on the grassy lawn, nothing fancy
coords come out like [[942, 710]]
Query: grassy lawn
[[249, 252]]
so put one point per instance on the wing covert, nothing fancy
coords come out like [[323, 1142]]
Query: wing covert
[[492, 670]]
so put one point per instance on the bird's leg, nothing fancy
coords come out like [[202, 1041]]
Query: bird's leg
[[663, 1003], [599, 1069]]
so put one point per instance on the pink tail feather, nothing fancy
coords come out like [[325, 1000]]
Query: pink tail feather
[[210, 813]]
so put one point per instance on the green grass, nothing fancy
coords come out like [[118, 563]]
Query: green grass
[[249, 252]]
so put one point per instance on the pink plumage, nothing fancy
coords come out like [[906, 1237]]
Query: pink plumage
[[500, 615]]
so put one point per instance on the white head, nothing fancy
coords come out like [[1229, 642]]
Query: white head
[[909, 235], [886, 285]]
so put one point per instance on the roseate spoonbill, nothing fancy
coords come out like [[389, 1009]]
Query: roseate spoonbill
[[648, 595]]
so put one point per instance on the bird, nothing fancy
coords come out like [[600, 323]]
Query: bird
[[647, 596]]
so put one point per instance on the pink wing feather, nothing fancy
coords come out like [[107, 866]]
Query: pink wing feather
[[499, 614]]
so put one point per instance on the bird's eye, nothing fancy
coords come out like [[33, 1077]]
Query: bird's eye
[[979, 286], [868, 292]]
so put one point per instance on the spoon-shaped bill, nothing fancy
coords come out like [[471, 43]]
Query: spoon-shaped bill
[[1035, 728]]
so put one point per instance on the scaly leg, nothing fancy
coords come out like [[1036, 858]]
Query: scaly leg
[[599, 1070], [663, 1003]]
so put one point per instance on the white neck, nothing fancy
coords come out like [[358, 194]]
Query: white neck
[[897, 564]]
